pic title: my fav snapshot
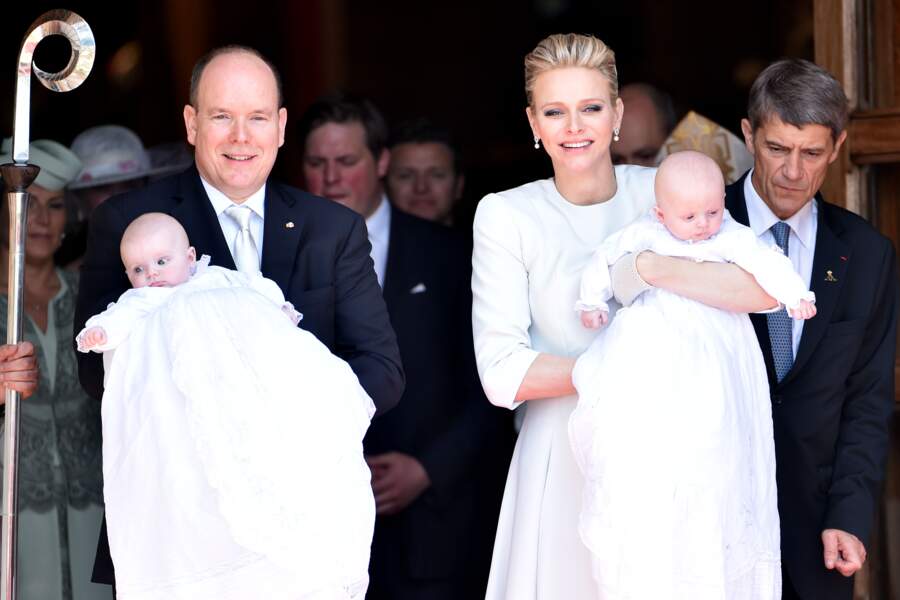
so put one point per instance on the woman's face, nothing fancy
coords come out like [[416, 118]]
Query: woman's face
[[574, 115], [46, 223]]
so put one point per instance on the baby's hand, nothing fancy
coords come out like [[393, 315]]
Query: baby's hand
[[804, 310], [594, 319], [91, 338]]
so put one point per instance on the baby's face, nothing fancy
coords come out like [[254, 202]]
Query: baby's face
[[159, 259], [691, 214]]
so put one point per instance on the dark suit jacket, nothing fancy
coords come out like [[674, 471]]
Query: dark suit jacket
[[321, 263], [831, 411], [444, 420]]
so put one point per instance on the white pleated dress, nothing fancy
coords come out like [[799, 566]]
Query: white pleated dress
[[232, 448], [673, 431], [530, 248]]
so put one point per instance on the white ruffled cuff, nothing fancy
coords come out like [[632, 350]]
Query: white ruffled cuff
[[809, 296], [582, 306]]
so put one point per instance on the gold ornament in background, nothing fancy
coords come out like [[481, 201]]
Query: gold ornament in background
[[696, 132]]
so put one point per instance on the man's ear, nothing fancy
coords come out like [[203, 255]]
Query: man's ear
[[747, 130], [384, 161], [458, 187], [190, 124], [837, 147], [282, 123]]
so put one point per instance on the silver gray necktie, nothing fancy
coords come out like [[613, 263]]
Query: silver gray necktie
[[246, 256]]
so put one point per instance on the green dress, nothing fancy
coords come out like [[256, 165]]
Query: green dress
[[60, 503]]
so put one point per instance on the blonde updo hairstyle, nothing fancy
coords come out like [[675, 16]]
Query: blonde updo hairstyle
[[562, 50]]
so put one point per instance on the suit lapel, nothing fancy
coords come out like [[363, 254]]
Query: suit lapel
[[194, 211], [283, 230], [830, 262]]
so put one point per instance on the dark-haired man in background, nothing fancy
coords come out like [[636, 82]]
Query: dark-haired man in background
[[424, 454], [424, 176]]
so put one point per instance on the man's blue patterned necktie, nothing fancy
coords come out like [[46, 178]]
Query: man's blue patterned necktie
[[781, 325]]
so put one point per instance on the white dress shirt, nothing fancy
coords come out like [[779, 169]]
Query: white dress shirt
[[379, 226], [256, 203], [802, 241]]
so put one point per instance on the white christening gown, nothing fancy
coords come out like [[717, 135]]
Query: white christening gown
[[673, 431], [232, 448]]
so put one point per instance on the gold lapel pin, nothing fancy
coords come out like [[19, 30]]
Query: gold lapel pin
[[829, 277], [290, 225]]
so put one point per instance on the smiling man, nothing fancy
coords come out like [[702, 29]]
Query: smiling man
[[832, 377], [316, 251]]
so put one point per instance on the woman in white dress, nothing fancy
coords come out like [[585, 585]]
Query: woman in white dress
[[531, 244]]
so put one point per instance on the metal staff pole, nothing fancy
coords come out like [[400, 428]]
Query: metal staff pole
[[17, 176]]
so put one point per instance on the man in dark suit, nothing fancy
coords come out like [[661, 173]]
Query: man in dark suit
[[423, 454], [832, 377], [317, 252]]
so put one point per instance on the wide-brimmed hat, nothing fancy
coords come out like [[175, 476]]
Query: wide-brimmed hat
[[111, 154], [58, 164]]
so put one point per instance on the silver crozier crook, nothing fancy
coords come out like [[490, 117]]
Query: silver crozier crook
[[17, 176]]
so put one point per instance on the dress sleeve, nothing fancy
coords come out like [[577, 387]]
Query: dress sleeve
[[769, 266], [501, 314]]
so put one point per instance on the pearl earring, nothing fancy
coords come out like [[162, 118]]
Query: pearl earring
[[616, 134], [537, 143]]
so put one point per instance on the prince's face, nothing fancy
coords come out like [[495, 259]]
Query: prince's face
[[237, 126]]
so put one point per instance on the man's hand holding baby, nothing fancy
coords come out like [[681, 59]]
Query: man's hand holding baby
[[90, 338], [804, 310]]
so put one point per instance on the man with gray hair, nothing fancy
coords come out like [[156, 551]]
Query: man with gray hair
[[832, 377]]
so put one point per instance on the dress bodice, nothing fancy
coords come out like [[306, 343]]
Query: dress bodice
[[530, 247]]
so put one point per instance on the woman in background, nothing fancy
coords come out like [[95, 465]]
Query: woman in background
[[60, 491]]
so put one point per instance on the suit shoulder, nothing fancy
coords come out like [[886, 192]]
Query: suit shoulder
[[155, 197], [856, 228], [315, 207]]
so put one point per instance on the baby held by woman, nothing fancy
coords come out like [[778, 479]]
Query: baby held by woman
[[673, 427]]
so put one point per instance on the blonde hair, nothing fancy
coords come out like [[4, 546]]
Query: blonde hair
[[571, 50]]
